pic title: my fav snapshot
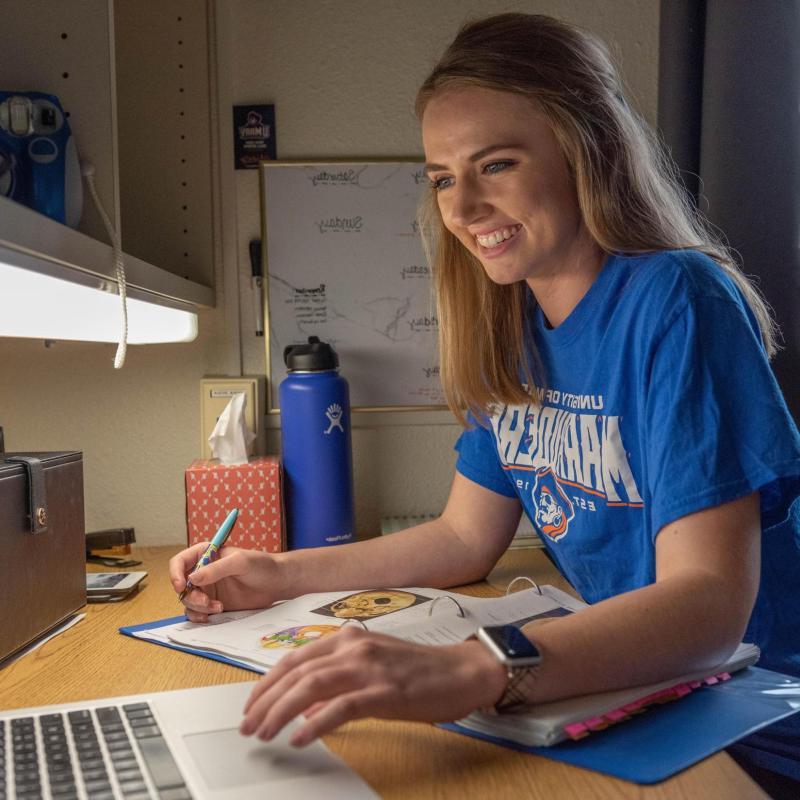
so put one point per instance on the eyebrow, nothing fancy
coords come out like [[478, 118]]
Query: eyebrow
[[484, 151]]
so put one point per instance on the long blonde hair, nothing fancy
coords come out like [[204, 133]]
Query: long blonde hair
[[628, 191]]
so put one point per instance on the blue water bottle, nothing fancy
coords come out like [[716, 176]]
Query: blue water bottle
[[315, 443]]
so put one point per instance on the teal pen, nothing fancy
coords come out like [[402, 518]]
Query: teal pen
[[216, 543]]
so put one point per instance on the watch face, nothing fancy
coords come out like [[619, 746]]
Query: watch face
[[510, 644]]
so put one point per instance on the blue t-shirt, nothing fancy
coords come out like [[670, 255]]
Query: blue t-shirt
[[659, 402]]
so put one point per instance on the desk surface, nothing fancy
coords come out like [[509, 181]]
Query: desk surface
[[399, 760]]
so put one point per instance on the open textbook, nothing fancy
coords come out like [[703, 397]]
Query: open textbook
[[259, 639]]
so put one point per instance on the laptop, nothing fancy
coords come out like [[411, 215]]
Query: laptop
[[171, 745]]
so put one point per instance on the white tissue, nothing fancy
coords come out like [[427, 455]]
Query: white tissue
[[231, 439]]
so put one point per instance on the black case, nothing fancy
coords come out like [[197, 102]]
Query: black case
[[42, 544]]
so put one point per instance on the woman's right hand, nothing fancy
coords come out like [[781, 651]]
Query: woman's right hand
[[238, 579]]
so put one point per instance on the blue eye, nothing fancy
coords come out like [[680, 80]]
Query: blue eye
[[437, 184], [497, 166]]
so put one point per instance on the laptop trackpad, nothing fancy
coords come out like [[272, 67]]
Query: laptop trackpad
[[226, 759]]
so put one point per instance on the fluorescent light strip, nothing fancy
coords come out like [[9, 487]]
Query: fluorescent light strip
[[33, 305]]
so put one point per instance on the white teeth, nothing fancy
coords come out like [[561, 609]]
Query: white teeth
[[494, 238]]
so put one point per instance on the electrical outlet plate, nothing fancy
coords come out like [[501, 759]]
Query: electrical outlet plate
[[215, 394]]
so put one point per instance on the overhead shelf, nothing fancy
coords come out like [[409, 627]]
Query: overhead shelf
[[146, 138], [33, 241]]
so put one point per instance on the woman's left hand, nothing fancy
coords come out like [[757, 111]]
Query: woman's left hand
[[354, 674]]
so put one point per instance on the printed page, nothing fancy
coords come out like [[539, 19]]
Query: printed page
[[446, 626], [163, 633], [429, 616], [266, 636]]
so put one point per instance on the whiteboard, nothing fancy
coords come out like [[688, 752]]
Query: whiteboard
[[344, 262]]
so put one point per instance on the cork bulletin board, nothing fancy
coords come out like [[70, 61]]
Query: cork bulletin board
[[343, 261]]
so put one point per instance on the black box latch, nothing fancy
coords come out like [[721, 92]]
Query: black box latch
[[37, 493]]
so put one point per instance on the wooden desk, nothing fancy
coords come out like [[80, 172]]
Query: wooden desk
[[402, 760]]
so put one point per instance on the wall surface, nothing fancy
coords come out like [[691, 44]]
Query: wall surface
[[342, 75]]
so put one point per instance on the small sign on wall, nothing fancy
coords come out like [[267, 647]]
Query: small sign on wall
[[253, 135]]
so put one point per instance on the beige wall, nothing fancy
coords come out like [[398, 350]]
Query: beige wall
[[342, 74]]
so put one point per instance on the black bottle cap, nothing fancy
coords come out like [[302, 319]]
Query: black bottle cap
[[315, 356]]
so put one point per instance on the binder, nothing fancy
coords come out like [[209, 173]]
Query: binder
[[649, 747]]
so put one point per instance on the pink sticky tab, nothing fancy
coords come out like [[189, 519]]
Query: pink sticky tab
[[577, 730], [632, 708], [616, 715], [724, 676], [683, 690], [595, 723], [694, 684], [711, 680]]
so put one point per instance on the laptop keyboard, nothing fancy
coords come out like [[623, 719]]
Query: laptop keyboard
[[91, 754]]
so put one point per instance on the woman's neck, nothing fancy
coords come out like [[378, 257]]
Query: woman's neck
[[560, 290]]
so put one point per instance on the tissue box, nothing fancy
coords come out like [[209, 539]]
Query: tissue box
[[213, 489]]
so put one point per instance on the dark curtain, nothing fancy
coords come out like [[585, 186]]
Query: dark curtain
[[729, 111]]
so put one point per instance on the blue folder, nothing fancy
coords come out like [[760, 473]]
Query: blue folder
[[667, 739], [653, 745], [130, 630]]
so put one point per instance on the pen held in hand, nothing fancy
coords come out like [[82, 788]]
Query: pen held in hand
[[213, 548]]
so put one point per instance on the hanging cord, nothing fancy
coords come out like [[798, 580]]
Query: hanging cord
[[87, 170]]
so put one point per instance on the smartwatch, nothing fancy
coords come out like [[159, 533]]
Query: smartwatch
[[521, 658]]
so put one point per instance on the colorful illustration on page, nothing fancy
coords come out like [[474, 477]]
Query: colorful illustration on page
[[371, 604], [297, 636]]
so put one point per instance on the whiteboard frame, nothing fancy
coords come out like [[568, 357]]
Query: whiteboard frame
[[263, 166]]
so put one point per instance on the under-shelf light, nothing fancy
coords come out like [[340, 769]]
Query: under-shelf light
[[49, 301]]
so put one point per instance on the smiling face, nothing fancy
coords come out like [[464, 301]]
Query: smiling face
[[502, 184]]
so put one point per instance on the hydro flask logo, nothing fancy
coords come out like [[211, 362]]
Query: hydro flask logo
[[334, 415]]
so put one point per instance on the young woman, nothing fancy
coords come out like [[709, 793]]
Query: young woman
[[612, 362]]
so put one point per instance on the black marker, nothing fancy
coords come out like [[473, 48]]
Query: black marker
[[257, 283]]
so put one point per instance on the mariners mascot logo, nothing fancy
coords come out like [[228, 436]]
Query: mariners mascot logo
[[554, 509]]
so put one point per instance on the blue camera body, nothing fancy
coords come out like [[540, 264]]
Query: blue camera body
[[39, 164]]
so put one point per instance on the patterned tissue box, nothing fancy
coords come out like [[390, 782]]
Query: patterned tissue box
[[213, 489]]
